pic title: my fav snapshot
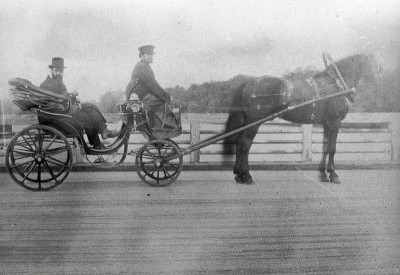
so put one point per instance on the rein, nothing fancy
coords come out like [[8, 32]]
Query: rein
[[227, 109]]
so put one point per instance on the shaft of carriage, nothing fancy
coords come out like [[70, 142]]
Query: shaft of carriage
[[223, 135]]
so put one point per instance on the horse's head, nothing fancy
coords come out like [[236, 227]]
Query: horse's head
[[359, 71]]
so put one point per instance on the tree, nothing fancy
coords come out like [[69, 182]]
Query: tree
[[109, 101]]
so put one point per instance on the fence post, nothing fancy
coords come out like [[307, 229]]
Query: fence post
[[194, 139], [394, 140], [76, 152], [307, 141]]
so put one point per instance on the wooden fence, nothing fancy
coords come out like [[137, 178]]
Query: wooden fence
[[363, 137]]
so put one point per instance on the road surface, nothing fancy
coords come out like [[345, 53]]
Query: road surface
[[204, 223]]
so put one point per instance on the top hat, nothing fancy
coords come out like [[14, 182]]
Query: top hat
[[146, 49], [58, 63]]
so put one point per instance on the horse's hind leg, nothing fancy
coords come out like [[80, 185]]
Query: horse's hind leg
[[331, 130], [323, 177], [241, 169]]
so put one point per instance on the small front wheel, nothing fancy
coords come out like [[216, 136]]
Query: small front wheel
[[159, 162], [39, 158]]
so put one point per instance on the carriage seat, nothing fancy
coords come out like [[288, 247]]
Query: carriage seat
[[64, 123], [136, 112]]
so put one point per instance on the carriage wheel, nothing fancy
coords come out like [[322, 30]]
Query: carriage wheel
[[335, 71], [109, 160], [153, 164], [39, 158]]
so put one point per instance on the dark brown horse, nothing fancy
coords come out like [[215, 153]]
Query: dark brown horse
[[260, 97]]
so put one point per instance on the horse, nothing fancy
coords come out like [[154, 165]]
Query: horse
[[260, 97]]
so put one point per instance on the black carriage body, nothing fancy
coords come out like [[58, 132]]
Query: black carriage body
[[40, 156]]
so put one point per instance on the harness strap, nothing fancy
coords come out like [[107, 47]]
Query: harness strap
[[164, 116], [311, 81], [317, 94]]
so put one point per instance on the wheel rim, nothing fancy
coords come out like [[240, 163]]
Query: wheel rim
[[153, 164], [39, 158]]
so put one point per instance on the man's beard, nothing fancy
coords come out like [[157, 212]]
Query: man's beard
[[57, 77]]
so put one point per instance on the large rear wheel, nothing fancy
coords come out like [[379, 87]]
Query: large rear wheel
[[159, 162], [39, 158]]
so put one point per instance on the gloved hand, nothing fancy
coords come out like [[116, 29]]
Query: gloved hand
[[74, 94], [167, 98]]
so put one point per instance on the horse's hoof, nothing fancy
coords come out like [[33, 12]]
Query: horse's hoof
[[323, 177], [238, 179], [244, 180], [335, 179]]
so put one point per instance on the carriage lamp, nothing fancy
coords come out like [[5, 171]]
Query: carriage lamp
[[135, 106], [134, 103]]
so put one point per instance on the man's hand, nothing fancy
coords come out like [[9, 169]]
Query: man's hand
[[167, 98]]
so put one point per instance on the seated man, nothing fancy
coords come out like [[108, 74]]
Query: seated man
[[87, 114], [155, 99]]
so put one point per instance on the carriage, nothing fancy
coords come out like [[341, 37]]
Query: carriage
[[40, 156]]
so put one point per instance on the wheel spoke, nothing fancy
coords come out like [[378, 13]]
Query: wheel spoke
[[150, 153], [148, 157], [50, 143], [152, 171], [146, 162], [56, 162], [56, 151], [23, 145], [39, 174], [46, 165], [33, 141], [21, 164], [29, 172], [41, 139], [24, 153], [166, 172]]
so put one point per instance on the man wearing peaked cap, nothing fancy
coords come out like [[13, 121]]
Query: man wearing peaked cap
[[155, 99], [146, 49]]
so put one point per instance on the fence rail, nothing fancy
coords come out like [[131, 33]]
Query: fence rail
[[363, 137]]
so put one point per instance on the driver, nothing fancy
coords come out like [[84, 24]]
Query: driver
[[87, 114], [154, 98]]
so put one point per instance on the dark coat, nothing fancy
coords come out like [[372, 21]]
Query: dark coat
[[55, 85], [160, 117], [143, 82], [87, 114]]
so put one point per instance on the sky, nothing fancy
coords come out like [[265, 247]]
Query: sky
[[195, 41]]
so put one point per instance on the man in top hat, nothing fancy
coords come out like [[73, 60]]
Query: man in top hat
[[155, 99], [87, 114]]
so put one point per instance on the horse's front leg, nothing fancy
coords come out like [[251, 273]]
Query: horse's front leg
[[323, 177], [241, 169], [333, 133]]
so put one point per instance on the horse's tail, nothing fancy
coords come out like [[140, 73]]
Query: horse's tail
[[235, 119]]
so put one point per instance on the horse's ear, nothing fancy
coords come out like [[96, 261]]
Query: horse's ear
[[371, 69]]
